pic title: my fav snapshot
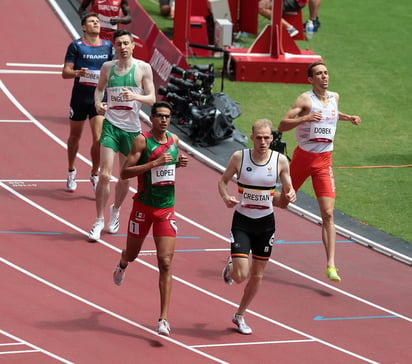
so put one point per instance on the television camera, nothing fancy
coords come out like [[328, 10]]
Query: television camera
[[207, 117]]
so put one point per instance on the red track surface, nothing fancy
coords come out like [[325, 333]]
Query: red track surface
[[58, 301]]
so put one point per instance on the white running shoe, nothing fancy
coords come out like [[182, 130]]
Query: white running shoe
[[163, 327], [96, 230], [118, 275], [239, 321], [94, 179], [113, 225], [225, 272], [71, 184]]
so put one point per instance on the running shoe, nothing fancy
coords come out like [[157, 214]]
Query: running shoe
[[332, 274], [316, 24], [118, 275], [113, 225], [293, 32], [71, 184], [163, 327], [239, 321], [226, 270], [96, 230], [94, 178]]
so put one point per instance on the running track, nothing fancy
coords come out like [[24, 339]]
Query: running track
[[58, 302]]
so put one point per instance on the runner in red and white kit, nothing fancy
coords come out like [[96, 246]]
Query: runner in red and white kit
[[109, 14], [314, 115]]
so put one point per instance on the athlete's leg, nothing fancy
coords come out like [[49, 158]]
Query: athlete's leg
[[96, 123], [239, 269], [165, 246], [253, 284], [122, 185], [326, 206], [314, 6], [76, 129], [133, 246], [107, 156]]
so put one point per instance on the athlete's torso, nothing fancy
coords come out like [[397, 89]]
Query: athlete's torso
[[318, 137], [156, 187], [256, 185], [121, 113], [106, 9], [92, 57]]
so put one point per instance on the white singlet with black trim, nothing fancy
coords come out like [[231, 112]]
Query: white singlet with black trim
[[317, 137], [256, 185]]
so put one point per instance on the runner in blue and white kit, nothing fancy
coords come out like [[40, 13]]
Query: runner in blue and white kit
[[83, 60]]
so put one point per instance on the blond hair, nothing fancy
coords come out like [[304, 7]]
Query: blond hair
[[262, 123]]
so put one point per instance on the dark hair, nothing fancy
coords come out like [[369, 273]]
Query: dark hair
[[120, 32], [160, 104], [313, 65], [87, 16]]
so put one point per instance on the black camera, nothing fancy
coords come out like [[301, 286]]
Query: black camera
[[277, 143]]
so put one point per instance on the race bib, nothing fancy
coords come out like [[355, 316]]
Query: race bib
[[91, 78], [163, 175], [115, 101], [256, 199], [322, 131], [105, 22]]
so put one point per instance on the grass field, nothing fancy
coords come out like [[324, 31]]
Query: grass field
[[367, 49]]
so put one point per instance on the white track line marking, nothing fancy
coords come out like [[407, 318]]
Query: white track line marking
[[60, 142], [210, 294], [105, 310], [254, 343], [17, 72], [188, 220], [35, 348], [40, 65]]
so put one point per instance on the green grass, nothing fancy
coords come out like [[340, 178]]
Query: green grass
[[367, 48]]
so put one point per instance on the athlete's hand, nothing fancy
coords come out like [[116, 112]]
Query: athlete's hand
[[81, 72], [314, 116], [355, 119], [291, 195], [230, 201], [115, 20], [101, 108], [183, 161], [127, 95], [164, 159]]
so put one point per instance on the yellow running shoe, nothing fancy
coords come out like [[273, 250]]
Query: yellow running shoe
[[332, 274]]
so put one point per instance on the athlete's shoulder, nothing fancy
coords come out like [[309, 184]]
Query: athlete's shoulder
[[107, 43]]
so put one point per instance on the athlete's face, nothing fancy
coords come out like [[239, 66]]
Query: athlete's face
[[262, 137], [124, 46], [161, 119], [92, 25], [320, 77]]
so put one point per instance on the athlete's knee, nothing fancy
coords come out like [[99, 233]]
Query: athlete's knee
[[239, 275], [164, 262], [104, 177]]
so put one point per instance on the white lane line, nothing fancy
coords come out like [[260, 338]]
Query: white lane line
[[34, 347], [188, 220], [101, 308], [193, 286], [17, 72], [40, 65], [254, 343], [2, 86]]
